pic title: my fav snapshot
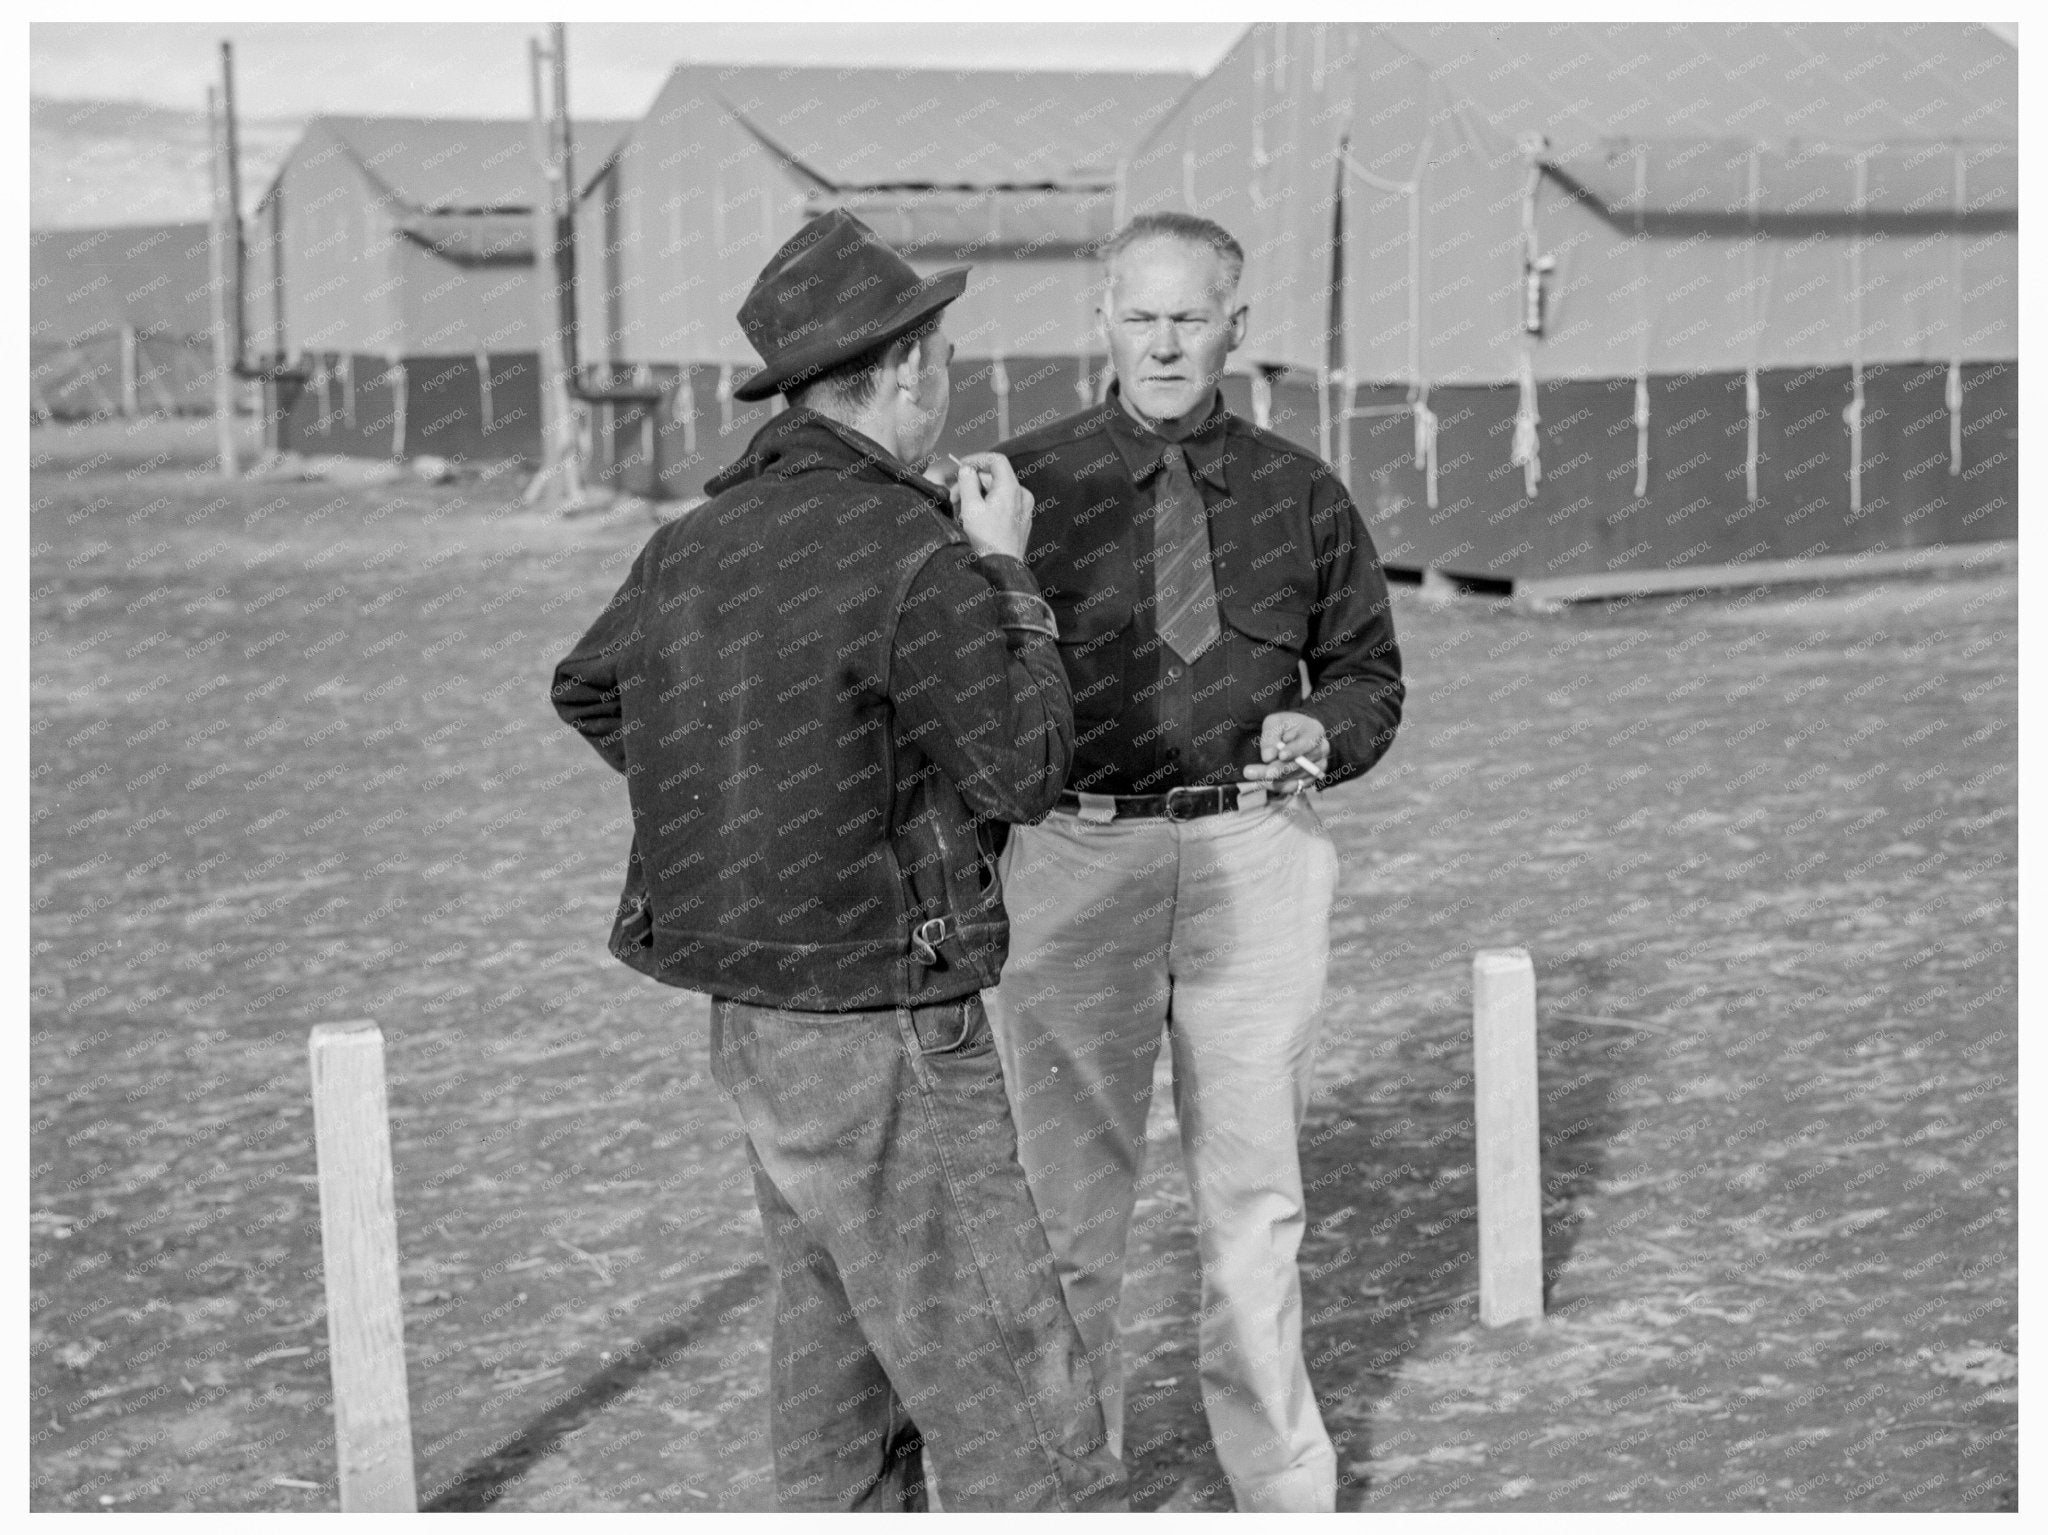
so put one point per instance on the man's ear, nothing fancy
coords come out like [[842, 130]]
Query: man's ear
[[1239, 318], [906, 372]]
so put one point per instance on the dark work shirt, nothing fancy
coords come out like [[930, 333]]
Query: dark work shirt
[[1298, 586]]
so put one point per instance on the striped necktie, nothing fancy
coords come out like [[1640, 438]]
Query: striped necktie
[[1182, 579]]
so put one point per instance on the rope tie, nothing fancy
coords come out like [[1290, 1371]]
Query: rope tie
[[394, 375], [1425, 442], [999, 381], [1852, 413], [1952, 397], [1852, 416], [1418, 386], [1642, 435], [1953, 392], [683, 407], [1528, 444], [1751, 396], [1752, 402], [1642, 284]]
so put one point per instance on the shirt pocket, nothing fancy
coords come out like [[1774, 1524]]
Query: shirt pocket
[[1263, 647], [1092, 651]]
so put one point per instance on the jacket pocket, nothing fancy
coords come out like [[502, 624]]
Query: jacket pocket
[[632, 939], [1264, 647]]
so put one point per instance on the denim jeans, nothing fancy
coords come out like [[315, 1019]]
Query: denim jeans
[[916, 1308]]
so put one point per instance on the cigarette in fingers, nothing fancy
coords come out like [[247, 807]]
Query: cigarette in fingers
[[1308, 767], [980, 480]]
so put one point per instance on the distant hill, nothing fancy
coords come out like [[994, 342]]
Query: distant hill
[[132, 162]]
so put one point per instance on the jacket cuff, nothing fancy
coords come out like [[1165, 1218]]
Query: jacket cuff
[[1018, 604]]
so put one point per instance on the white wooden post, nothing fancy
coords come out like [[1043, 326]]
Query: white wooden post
[[1505, 1131], [359, 1243]]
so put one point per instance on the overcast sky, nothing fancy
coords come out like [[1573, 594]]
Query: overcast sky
[[479, 70]]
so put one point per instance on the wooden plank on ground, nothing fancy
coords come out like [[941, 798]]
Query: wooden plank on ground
[[1993, 554]]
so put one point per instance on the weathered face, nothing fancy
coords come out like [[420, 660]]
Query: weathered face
[[1170, 317], [923, 417]]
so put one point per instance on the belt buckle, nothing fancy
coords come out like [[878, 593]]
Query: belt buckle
[[1171, 802]]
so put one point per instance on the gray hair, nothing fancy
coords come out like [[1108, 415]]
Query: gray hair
[[1189, 228]]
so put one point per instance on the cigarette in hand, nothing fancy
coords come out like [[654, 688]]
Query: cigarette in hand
[[1308, 767], [979, 479]]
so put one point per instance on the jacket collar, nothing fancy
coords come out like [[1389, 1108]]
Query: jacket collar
[[1143, 450], [800, 441]]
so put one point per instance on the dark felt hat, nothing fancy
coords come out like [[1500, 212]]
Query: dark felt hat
[[835, 290]]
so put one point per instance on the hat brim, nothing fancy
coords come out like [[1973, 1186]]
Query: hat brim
[[930, 296]]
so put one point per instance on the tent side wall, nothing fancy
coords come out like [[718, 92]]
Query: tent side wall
[[1440, 391], [702, 205], [341, 292], [675, 234], [119, 320], [448, 306]]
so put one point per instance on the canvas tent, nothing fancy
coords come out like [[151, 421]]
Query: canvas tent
[[1568, 299], [119, 320], [1011, 171], [392, 260]]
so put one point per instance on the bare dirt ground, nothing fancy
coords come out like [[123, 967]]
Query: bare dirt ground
[[293, 761]]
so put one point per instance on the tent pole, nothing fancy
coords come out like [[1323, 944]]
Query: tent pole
[[543, 234], [555, 226], [280, 343], [217, 273], [238, 271], [565, 206], [1336, 353]]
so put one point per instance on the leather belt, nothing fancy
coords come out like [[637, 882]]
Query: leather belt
[[1173, 805]]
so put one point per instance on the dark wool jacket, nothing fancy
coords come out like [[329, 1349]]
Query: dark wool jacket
[[1298, 588], [819, 698]]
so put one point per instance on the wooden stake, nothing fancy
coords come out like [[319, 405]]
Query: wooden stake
[[359, 1243], [1505, 1130]]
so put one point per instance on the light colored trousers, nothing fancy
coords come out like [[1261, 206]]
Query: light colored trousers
[[1217, 928]]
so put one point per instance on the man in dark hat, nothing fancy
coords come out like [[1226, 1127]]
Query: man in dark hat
[[821, 688]]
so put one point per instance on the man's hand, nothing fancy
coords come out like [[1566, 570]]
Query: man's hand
[[994, 510], [1285, 736]]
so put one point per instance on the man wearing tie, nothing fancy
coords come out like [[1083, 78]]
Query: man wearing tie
[[1198, 566]]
